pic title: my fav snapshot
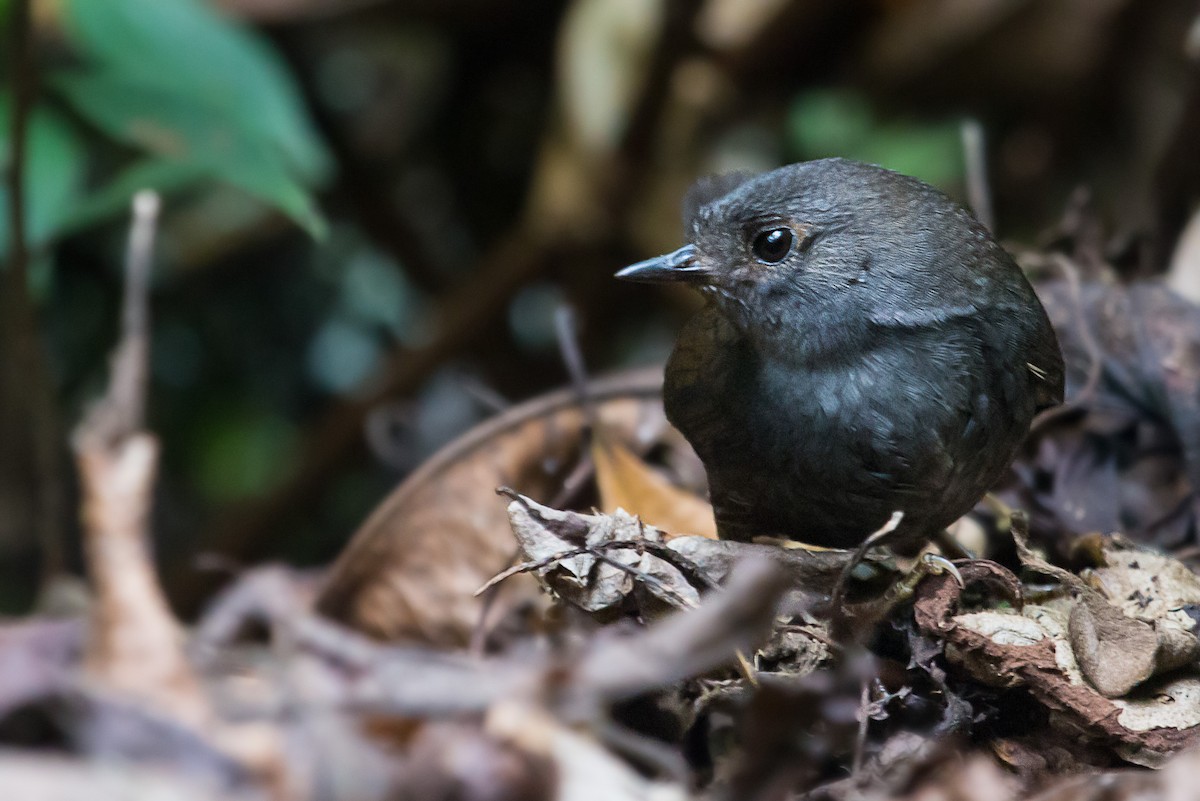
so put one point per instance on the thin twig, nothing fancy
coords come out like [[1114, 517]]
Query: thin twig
[[130, 370], [690, 570], [566, 327], [537, 564], [579, 476], [483, 394], [979, 193], [29, 386], [120, 414], [21, 69], [134, 643], [479, 634], [839, 589], [860, 741], [656, 586], [584, 550]]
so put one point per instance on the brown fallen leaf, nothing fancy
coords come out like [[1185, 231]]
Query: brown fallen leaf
[[1032, 650], [599, 562], [626, 482], [411, 570], [1142, 588], [596, 561], [1126, 622], [1115, 653]]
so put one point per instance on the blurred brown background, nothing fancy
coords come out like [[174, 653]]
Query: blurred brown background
[[374, 208]]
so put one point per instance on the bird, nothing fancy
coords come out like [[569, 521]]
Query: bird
[[865, 347]]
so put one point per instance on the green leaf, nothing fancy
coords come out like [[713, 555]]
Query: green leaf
[[54, 170], [842, 123], [828, 122], [185, 84], [179, 131], [161, 175], [239, 452]]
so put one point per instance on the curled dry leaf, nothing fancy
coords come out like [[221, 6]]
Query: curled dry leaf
[[626, 482], [1125, 625], [1033, 650], [412, 569], [596, 561], [1146, 589], [1115, 653]]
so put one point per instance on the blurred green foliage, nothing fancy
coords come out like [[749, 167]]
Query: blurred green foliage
[[188, 96], [238, 452], [54, 171], [841, 122]]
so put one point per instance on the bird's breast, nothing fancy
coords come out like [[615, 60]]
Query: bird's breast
[[744, 411]]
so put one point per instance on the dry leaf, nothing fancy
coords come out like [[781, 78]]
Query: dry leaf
[[1033, 650], [626, 482], [596, 561], [1115, 653], [1124, 452], [412, 569]]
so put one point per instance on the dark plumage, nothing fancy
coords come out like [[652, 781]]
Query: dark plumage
[[866, 347]]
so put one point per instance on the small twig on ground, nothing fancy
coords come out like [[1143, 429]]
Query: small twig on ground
[[478, 642], [483, 394], [839, 589], [860, 740], [598, 552], [566, 326], [656, 586], [134, 642], [580, 475]]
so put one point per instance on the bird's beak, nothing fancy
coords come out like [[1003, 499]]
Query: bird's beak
[[681, 265]]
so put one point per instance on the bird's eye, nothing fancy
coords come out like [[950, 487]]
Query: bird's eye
[[773, 245]]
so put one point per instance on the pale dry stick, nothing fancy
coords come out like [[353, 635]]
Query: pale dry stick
[[135, 646], [526, 567], [860, 740], [979, 193], [134, 643]]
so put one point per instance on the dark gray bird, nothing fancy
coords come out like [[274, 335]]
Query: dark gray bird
[[866, 347]]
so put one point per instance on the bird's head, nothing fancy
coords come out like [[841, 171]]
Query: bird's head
[[815, 253]]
